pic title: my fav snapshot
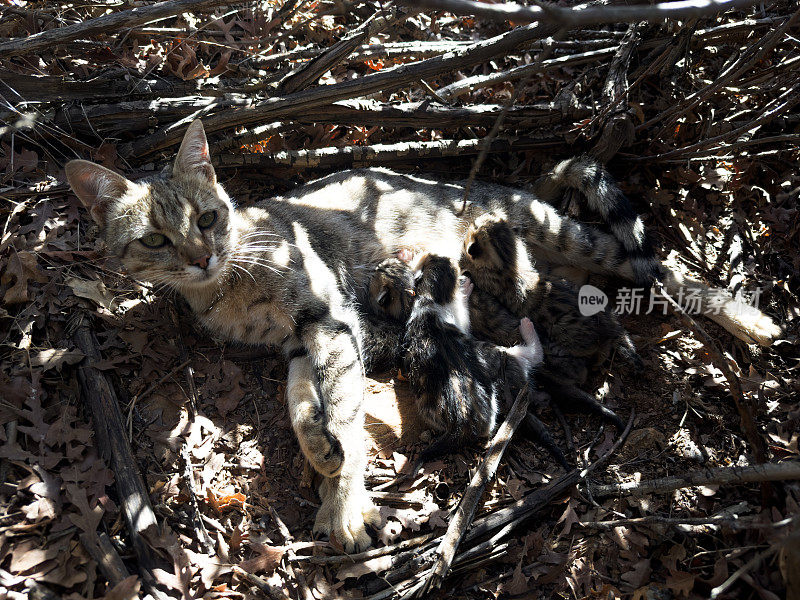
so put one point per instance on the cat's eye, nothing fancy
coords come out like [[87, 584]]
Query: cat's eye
[[154, 240], [475, 250], [384, 298], [207, 219]]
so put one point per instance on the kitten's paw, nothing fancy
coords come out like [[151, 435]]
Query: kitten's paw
[[527, 331], [347, 520], [405, 255], [467, 286]]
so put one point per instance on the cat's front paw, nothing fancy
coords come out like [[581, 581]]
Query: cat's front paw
[[323, 451], [346, 517]]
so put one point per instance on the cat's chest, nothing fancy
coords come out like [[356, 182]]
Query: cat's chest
[[247, 318]]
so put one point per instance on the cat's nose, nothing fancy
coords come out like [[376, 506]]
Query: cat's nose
[[202, 261]]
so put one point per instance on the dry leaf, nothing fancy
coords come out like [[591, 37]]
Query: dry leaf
[[20, 270], [127, 589], [93, 290], [269, 557]]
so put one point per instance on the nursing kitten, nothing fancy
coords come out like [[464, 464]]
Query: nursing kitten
[[456, 378], [391, 300], [510, 288], [496, 260], [385, 301], [283, 272]]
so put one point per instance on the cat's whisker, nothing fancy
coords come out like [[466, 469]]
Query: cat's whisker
[[242, 269]]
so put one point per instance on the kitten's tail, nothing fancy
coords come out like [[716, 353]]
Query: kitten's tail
[[604, 197]]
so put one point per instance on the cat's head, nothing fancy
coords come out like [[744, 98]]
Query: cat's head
[[174, 229], [436, 277], [391, 290], [491, 244]]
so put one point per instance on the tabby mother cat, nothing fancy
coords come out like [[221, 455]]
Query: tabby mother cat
[[283, 273]]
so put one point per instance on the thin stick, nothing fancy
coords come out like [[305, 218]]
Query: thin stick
[[313, 70], [113, 22], [715, 521], [469, 501], [272, 591], [723, 475], [368, 555], [749, 565], [489, 139], [584, 14]]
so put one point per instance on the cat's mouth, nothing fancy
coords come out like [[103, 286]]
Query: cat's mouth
[[196, 275]]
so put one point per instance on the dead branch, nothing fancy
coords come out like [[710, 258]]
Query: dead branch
[[618, 128], [378, 153], [472, 495], [367, 555], [585, 14], [470, 84], [385, 80], [313, 70], [99, 547], [115, 119], [754, 53], [101, 401], [719, 476], [489, 139], [113, 22], [777, 107], [273, 592], [714, 522]]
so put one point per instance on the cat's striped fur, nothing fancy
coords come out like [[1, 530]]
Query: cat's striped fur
[[283, 272], [457, 379]]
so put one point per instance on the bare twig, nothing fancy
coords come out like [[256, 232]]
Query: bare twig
[[273, 592], [723, 475], [386, 80], [379, 153], [470, 84], [102, 403], [489, 139], [583, 14], [314, 69], [618, 129], [469, 501], [113, 22]]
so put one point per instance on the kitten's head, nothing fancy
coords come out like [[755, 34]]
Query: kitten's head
[[491, 244], [175, 229], [391, 290], [436, 277]]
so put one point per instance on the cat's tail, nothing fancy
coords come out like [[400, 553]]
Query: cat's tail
[[629, 253], [603, 196]]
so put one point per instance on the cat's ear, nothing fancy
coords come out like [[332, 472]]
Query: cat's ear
[[193, 155], [96, 186]]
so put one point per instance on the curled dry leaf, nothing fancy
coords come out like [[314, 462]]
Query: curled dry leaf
[[269, 557]]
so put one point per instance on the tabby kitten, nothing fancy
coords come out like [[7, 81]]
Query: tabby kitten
[[456, 378], [496, 260], [385, 301]]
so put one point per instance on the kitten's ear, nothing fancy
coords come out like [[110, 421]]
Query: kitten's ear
[[193, 155], [96, 186]]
